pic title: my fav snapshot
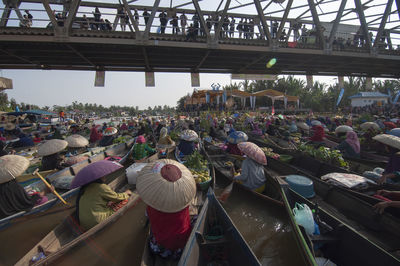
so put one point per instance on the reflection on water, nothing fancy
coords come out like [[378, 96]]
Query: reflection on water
[[121, 243], [265, 227]]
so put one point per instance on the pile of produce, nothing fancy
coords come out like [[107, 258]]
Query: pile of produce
[[122, 139], [269, 153], [195, 161], [174, 135], [325, 154], [198, 166], [200, 176]]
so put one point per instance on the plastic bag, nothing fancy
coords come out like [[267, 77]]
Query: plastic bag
[[225, 194], [304, 217]]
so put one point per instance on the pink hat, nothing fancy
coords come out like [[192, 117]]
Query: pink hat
[[140, 139]]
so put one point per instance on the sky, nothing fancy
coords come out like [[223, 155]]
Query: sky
[[55, 87]]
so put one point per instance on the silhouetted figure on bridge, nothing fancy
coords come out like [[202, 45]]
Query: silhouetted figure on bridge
[[174, 23], [146, 16], [30, 18], [232, 27], [97, 17], [209, 23], [183, 19], [240, 28], [136, 16], [191, 35], [163, 21], [196, 25], [274, 29]]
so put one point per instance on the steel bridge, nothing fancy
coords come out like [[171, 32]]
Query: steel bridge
[[307, 37]]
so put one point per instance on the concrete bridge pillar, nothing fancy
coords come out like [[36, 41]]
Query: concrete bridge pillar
[[368, 83]]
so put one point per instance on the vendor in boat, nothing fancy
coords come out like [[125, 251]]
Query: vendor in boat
[[141, 149], [24, 140], [234, 139], [77, 144], [95, 135], [50, 150], [108, 136], [95, 200], [393, 196], [167, 187], [186, 144], [391, 174], [56, 130], [252, 175], [37, 139], [350, 147], [13, 197], [318, 134]]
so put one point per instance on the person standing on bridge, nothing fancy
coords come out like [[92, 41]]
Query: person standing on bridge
[[163, 21], [183, 19], [240, 28], [97, 16], [174, 22], [232, 27], [146, 16], [136, 16]]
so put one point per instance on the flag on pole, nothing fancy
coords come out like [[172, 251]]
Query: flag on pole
[[273, 110], [340, 96]]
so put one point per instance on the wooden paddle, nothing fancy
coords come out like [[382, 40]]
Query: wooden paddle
[[36, 172]]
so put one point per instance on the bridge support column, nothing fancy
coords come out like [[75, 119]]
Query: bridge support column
[[195, 78], [100, 79]]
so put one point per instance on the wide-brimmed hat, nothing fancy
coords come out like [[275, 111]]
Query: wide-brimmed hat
[[316, 123], [343, 129], [9, 126], [253, 151], [110, 131], [369, 125], [76, 159], [237, 137], [93, 172], [166, 185], [12, 166], [302, 125], [395, 132], [77, 141], [389, 140], [189, 135], [52, 146], [163, 132], [165, 143]]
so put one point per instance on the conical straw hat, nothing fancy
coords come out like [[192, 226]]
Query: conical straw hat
[[302, 125], [189, 135], [368, 125], [166, 142], [77, 141], [343, 129], [163, 132], [110, 131], [52, 146], [9, 126], [12, 166], [389, 140], [166, 185]]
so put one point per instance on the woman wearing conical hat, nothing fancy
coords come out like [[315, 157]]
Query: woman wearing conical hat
[[50, 150], [108, 136], [13, 197], [167, 187]]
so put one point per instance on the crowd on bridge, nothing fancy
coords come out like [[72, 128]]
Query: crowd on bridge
[[300, 34]]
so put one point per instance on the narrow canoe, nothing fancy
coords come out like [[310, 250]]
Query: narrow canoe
[[229, 242], [68, 234], [341, 243], [380, 230]]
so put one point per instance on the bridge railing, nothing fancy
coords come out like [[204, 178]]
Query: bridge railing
[[125, 19]]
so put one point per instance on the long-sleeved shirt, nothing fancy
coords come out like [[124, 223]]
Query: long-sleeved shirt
[[93, 207], [347, 150], [252, 174]]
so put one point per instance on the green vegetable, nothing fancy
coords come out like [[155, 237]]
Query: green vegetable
[[195, 161]]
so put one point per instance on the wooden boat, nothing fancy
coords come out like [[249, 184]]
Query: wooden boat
[[229, 242], [118, 150], [339, 242], [68, 234], [382, 230], [272, 197]]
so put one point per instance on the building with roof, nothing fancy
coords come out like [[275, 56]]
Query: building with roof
[[368, 98]]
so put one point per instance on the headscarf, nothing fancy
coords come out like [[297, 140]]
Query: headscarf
[[352, 140], [94, 134], [319, 133]]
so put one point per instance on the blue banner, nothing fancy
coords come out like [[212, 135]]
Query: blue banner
[[396, 98], [340, 96]]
